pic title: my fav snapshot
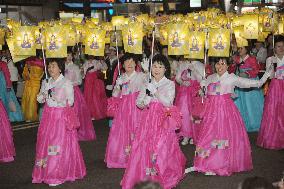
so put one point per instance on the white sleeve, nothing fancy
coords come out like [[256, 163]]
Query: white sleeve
[[269, 62], [167, 98], [78, 75], [42, 93], [245, 82], [262, 55], [69, 93], [143, 100], [199, 71]]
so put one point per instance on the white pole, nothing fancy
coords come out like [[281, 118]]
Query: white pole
[[118, 63]]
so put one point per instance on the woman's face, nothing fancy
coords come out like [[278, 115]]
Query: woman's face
[[242, 51], [221, 67], [129, 65], [53, 70], [158, 70], [279, 48]]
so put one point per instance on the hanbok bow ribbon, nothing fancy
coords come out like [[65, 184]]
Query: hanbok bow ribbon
[[171, 117]]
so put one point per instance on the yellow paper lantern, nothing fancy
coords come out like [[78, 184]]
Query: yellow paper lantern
[[178, 39], [10, 43], [238, 32], [95, 42], [118, 22], [143, 18], [281, 27], [133, 37], [107, 26], [95, 20], [163, 34], [70, 35], [251, 26], [2, 36], [219, 42], [55, 40], [24, 41], [196, 45], [80, 33], [114, 37], [39, 38]]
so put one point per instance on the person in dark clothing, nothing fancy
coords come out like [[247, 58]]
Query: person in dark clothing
[[111, 61]]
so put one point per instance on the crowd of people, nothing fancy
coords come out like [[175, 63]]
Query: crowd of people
[[153, 102]]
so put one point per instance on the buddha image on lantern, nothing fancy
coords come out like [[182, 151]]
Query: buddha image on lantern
[[194, 44], [219, 44], [52, 43], [115, 37], [26, 42], [251, 28], [267, 22], [176, 42], [94, 44], [130, 40], [38, 39]]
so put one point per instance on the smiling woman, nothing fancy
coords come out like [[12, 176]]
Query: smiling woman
[[223, 146], [125, 92], [58, 154], [155, 152]]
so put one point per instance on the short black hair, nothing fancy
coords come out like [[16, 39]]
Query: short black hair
[[60, 63], [278, 38], [128, 56], [161, 59], [215, 60]]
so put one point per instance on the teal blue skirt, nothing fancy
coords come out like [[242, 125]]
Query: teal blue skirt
[[250, 104], [9, 100]]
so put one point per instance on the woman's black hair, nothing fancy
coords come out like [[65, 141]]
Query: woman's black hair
[[128, 56], [278, 38], [248, 48], [161, 59], [215, 60], [60, 63]]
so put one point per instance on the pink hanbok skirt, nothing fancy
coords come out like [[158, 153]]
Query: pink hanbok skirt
[[95, 95], [155, 153], [271, 134], [7, 149], [86, 130], [223, 145], [121, 134], [58, 154], [184, 101]]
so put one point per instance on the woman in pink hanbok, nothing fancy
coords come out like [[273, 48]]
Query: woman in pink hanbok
[[126, 114], [271, 134], [188, 77], [94, 88], [58, 154], [223, 145], [155, 152], [7, 149], [86, 130]]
